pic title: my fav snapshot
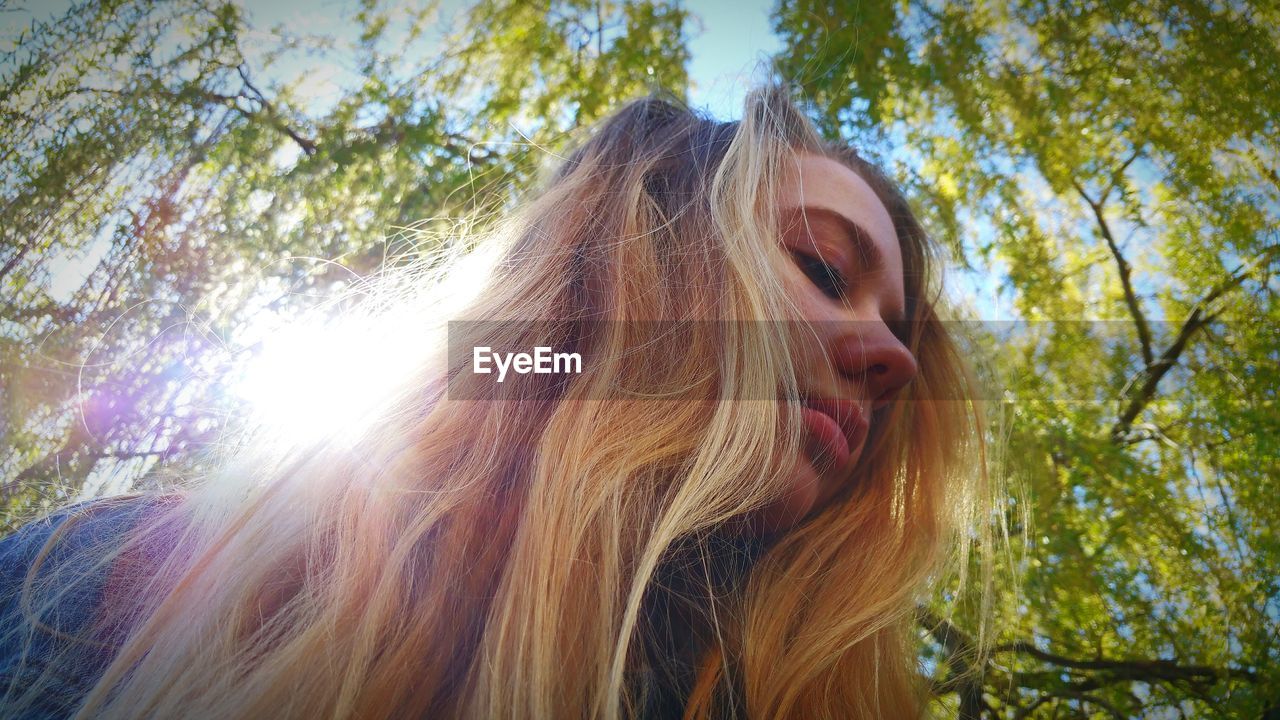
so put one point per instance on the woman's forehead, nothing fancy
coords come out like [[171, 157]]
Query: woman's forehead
[[820, 182]]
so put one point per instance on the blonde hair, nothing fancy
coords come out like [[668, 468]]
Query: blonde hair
[[468, 557]]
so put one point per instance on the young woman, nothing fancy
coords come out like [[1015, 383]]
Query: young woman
[[770, 451]]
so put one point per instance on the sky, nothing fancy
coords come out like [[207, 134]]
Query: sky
[[730, 50], [731, 42]]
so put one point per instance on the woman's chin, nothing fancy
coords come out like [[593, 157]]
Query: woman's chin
[[805, 489], [810, 489]]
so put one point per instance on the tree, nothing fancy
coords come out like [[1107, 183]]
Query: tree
[[140, 142], [1116, 163]]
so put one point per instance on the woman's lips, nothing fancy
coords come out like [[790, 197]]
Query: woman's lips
[[826, 443], [836, 428]]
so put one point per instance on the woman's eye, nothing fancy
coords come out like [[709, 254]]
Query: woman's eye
[[824, 276]]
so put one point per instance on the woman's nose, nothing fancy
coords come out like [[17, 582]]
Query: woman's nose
[[870, 354]]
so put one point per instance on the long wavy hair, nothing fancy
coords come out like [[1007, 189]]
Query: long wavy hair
[[571, 548]]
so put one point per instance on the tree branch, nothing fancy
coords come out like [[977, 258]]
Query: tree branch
[[273, 116], [969, 671], [1140, 670], [1122, 265], [1198, 318], [966, 672], [1070, 695], [267, 110]]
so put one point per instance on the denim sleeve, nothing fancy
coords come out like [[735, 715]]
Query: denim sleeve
[[71, 574]]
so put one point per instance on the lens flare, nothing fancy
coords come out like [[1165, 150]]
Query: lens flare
[[328, 378], [332, 374]]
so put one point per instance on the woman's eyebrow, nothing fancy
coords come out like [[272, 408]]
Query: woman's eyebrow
[[859, 236]]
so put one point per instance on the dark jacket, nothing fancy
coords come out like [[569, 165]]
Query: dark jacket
[[27, 650], [69, 572]]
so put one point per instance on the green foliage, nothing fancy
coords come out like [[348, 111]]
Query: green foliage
[[139, 143], [1117, 163]]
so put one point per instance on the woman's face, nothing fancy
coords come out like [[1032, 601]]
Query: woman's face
[[844, 272]]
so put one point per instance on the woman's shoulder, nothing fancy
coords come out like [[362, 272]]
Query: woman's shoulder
[[53, 571], [76, 530], [69, 550]]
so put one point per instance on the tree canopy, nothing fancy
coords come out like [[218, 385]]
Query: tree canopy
[[1115, 165]]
